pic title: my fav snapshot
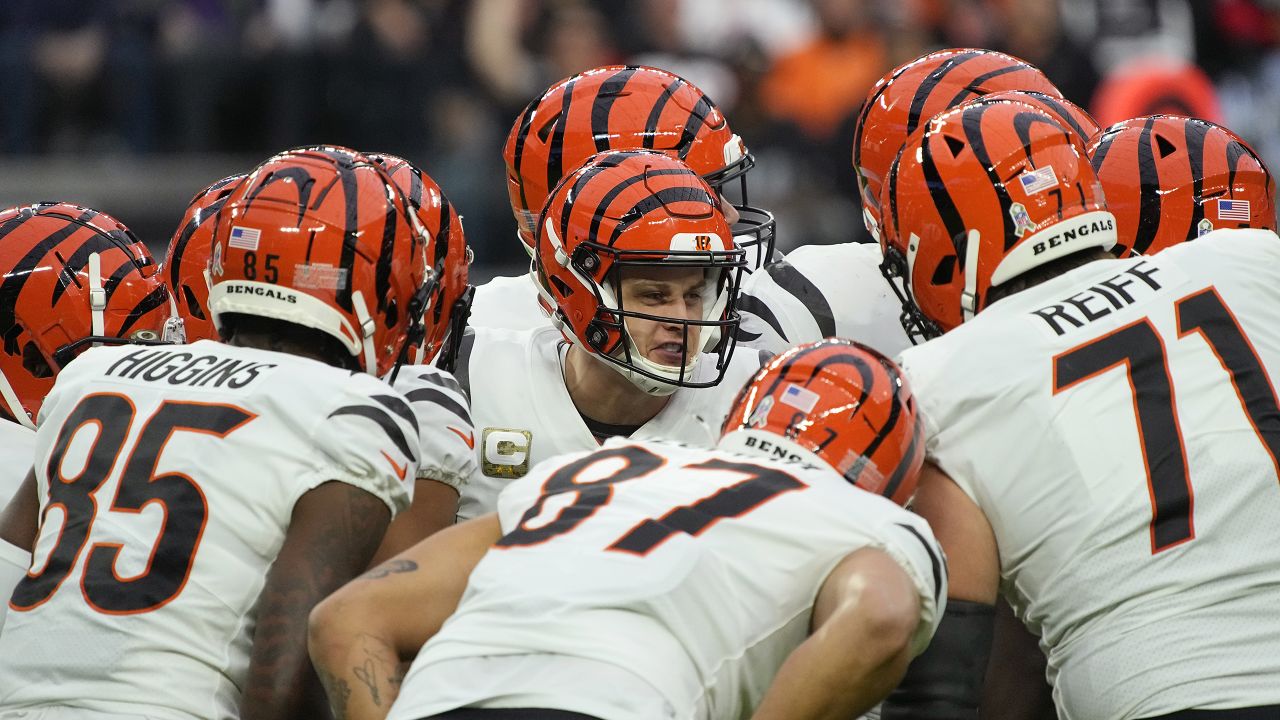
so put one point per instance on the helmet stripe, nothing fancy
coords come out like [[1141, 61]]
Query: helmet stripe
[[79, 260], [927, 86], [1060, 111], [526, 123], [1195, 134], [943, 203], [651, 125], [692, 126], [1149, 189], [157, 298], [608, 92], [555, 153], [907, 461], [657, 200], [602, 208], [184, 237], [11, 286], [974, 87]]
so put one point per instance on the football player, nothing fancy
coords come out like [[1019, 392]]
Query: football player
[[69, 277], [1101, 440], [774, 576], [197, 500], [639, 263], [615, 108], [444, 416], [823, 290], [187, 258], [1169, 179]]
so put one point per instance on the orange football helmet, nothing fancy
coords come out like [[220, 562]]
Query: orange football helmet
[[1170, 179], [842, 401], [70, 277], [910, 94], [978, 196], [627, 108], [447, 254], [631, 209], [321, 237], [187, 259]]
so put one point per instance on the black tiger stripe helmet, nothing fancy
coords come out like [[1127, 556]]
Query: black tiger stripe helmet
[[1169, 178], [70, 277], [448, 256], [620, 107], [905, 98], [187, 259], [635, 209], [321, 237], [844, 402]]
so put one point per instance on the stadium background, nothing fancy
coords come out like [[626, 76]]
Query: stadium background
[[131, 106]]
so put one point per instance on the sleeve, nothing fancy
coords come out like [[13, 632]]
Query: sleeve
[[769, 312], [368, 439], [909, 540], [446, 435]]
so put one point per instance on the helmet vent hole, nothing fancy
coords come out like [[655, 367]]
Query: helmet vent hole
[[193, 304], [544, 132], [562, 287], [34, 362], [955, 145], [1165, 147], [945, 271]]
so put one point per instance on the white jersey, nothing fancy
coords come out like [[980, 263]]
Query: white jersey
[[510, 303], [446, 436], [821, 291], [17, 451], [1136, 507], [195, 454], [697, 581], [523, 412]]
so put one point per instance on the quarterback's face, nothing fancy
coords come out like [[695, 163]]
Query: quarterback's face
[[676, 293]]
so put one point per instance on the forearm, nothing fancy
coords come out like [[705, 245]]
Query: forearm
[[280, 675], [838, 673], [361, 672]]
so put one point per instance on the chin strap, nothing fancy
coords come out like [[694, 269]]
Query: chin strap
[[969, 298], [367, 328], [97, 297], [15, 406]]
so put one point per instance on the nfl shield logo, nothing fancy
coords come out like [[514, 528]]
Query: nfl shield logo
[[1021, 220]]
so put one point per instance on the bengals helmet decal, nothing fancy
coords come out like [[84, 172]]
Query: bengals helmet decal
[[627, 108], [187, 259], [70, 277], [636, 209], [1169, 179], [844, 402], [448, 256], [980, 195], [322, 237], [905, 98]]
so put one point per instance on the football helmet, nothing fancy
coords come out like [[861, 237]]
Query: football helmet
[[841, 401], [905, 98], [637, 209], [978, 196], [448, 256], [187, 259], [70, 277], [321, 237], [627, 108], [1170, 179]]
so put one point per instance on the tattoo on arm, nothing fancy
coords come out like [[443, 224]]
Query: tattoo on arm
[[390, 567], [338, 691]]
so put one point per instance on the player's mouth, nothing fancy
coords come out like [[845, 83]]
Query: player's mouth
[[671, 353]]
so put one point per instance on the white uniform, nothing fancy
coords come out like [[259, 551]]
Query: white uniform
[[510, 303], [678, 596], [195, 454], [821, 291], [445, 433], [1138, 618], [17, 450], [523, 412]]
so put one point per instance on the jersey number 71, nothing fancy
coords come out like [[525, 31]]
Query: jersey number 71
[[1141, 351]]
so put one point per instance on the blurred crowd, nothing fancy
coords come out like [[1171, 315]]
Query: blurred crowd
[[441, 81]]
